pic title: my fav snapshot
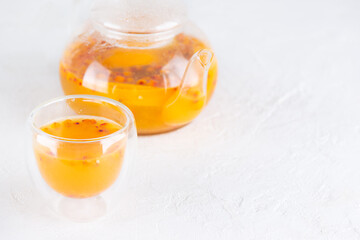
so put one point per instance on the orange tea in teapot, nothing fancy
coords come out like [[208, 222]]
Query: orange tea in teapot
[[164, 73], [75, 169]]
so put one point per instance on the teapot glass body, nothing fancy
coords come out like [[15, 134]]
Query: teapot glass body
[[165, 77]]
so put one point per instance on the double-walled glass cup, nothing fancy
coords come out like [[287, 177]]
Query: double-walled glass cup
[[81, 178]]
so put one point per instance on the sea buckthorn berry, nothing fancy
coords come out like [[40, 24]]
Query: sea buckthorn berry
[[158, 77], [67, 122], [152, 83], [135, 68], [88, 121], [127, 73], [129, 80], [119, 79], [141, 81]]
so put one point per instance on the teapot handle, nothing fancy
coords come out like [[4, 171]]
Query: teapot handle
[[191, 95]]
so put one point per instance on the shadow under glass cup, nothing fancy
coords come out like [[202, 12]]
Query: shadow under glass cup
[[81, 178]]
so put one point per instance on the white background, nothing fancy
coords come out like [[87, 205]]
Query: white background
[[275, 155]]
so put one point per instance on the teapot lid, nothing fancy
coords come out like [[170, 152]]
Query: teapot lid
[[138, 16]]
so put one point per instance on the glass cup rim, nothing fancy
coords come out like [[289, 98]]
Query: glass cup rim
[[129, 118]]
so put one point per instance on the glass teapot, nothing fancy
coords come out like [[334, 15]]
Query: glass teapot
[[148, 56]]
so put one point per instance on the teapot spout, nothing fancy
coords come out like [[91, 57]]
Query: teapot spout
[[191, 95]]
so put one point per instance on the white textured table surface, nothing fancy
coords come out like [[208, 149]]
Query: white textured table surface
[[275, 155]]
